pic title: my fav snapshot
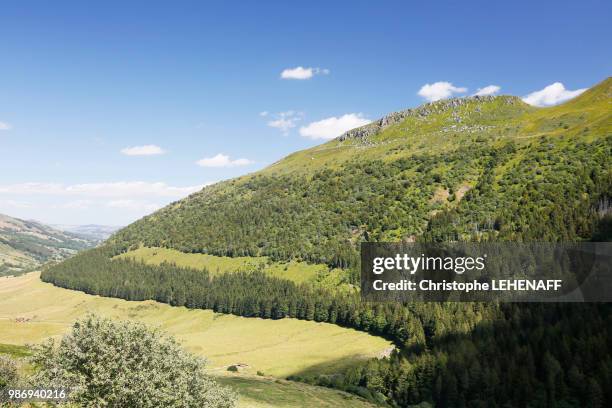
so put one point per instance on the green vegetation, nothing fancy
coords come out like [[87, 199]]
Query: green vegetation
[[522, 182], [13, 364], [262, 392], [30, 312], [13, 350], [479, 169], [126, 364], [254, 294], [9, 373], [293, 270], [529, 356]]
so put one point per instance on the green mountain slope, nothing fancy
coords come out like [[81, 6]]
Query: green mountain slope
[[489, 168], [25, 245], [496, 166]]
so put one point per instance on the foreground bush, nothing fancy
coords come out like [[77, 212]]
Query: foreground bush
[[125, 364], [8, 372]]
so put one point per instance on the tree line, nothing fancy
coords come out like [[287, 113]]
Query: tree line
[[255, 294]]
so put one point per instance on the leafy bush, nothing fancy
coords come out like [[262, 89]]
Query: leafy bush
[[8, 372], [125, 364]]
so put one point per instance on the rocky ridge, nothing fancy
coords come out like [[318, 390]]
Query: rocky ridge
[[364, 132]]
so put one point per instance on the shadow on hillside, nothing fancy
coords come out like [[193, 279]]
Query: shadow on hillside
[[549, 353], [331, 367]]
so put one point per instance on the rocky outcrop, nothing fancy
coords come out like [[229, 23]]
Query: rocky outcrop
[[432, 108]]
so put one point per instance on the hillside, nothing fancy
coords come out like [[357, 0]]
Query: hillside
[[475, 169], [25, 245], [493, 164]]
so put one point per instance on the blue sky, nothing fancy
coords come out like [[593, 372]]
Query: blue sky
[[192, 82]]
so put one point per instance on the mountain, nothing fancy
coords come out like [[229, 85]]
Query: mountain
[[92, 231], [25, 245], [468, 168], [475, 169]]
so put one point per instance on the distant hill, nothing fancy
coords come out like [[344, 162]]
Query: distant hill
[[25, 245], [93, 231]]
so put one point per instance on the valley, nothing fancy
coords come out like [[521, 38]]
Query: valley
[[31, 310], [92, 231], [300, 205], [261, 271], [25, 245]]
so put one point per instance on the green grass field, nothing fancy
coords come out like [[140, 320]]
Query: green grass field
[[14, 350], [264, 392], [31, 310], [294, 270], [254, 391]]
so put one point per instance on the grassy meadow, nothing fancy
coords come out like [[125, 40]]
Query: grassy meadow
[[254, 391], [296, 271], [31, 311], [265, 392]]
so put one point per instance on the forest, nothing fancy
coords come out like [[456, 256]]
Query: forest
[[452, 354]]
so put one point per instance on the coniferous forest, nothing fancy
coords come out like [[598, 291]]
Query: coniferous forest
[[553, 185]]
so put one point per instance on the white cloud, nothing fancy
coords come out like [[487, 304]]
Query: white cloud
[[487, 90], [146, 150], [112, 189], [334, 126], [439, 90], [282, 124], [551, 95], [222, 160], [302, 73], [5, 126], [264, 114], [285, 121]]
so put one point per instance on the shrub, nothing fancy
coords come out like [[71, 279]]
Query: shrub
[[8, 372], [126, 364]]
